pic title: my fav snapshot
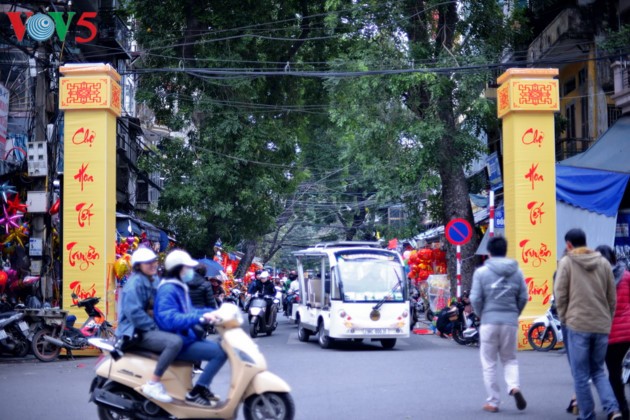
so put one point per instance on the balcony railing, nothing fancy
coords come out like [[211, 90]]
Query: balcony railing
[[621, 72], [567, 28], [113, 30], [568, 147]]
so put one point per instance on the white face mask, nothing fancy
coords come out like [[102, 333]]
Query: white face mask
[[188, 275]]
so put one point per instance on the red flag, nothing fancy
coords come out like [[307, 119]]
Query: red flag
[[393, 244]]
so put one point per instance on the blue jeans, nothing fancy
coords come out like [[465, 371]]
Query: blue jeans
[[205, 350], [587, 354]]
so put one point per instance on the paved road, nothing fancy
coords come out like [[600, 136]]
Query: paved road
[[423, 377]]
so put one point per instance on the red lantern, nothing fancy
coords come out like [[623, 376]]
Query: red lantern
[[54, 209], [425, 254], [4, 277], [439, 255], [423, 275]]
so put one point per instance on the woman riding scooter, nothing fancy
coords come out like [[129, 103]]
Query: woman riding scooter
[[175, 313], [135, 320]]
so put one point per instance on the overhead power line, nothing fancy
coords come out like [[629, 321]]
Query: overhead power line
[[349, 74]]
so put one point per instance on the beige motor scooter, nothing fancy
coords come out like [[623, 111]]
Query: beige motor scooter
[[116, 389]]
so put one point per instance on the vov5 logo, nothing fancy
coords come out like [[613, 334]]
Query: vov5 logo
[[41, 27]]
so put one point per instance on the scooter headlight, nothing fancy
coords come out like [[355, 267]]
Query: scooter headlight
[[254, 311]]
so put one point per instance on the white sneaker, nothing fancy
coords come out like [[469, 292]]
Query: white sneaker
[[157, 392]]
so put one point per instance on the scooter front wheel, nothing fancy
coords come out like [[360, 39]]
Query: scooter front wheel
[[458, 334], [541, 337], [253, 327], [270, 405]]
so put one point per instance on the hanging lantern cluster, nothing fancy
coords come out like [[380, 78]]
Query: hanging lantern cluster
[[424, 262]]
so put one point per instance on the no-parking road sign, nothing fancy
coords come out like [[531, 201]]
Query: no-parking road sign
[[458, 231]]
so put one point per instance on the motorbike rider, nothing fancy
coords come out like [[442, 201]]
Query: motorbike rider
[[292, 291], [250, 289], [174, 312], [136, 325], [291, 277], [217, 287], [264, 287], [201, 290]]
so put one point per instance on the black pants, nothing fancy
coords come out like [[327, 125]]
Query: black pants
[[614, 359]]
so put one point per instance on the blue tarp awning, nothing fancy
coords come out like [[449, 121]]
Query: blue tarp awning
[[594, 190]]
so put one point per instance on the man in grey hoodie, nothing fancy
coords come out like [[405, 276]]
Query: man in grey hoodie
[[586, 296], [498, 296]]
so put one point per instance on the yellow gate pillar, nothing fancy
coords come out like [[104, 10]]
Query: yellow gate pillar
[[527, 100], [90, 96]]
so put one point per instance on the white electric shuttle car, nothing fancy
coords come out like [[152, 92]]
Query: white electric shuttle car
[[351, 291]]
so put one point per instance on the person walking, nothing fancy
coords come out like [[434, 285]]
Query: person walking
[[498, 296], [586, 297], [619, 338]]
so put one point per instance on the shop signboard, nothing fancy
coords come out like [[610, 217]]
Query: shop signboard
[[499, 218], [527, 100], [494, 172], [90, 97]]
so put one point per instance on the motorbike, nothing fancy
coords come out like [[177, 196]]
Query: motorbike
[[47, 343], [263, 311], [14, 334], [465, 327], [116, 388], [415, 307], [235, 297], [546, 330], [290, 299]]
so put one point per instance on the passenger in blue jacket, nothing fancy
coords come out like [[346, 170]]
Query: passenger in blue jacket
[[136, 324], [174, 312]]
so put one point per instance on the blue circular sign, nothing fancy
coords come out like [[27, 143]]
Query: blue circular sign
[[458, 231]]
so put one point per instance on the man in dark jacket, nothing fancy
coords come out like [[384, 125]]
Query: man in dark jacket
[[498, 296], [586, 297], [264, 287], [200, 289]]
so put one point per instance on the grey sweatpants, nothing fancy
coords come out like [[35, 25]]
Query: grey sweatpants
[[498, 342], [166, 344]]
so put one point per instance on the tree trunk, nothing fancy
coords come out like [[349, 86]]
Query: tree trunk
[[250, 252], [455, 198], [357, 220], [193, 10], [277, 242]]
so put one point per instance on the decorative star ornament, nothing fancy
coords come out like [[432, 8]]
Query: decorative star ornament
[[17, 234], [9, 221], [6, 189], [14, 205]]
